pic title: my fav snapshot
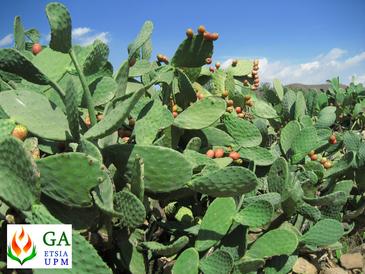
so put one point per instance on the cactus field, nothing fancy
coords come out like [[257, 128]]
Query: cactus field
[[174, 164]]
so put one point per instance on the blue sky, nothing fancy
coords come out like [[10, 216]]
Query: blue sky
[[296, 41]]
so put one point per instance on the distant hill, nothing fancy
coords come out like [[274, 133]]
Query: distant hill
[[306, 87]]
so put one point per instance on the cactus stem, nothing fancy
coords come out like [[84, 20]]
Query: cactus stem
[[89, 100]]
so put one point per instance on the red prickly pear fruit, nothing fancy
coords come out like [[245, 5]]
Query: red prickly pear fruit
[[247, 97], [217, 65], [201, 29], [323, 160], [249, 103], [218, 153], [206, 36], [160, 57], [189, 33], [20, 132], [174, 113], [125, 139], [245, 82], [36, 48], [87, 121], [314, 157], [238, 109], [327, 164], [211, 69], [225, 93], [210, 153], [208, 61], [199, 96], [230, 103], [234, 155], [312, 152], [241, 115], [214, 36]]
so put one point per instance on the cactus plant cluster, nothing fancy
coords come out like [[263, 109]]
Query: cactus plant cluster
[[172, 165]]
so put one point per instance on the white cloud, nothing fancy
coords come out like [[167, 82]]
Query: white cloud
[[315, 71], [6, 41], [79, 32], [86, 36]]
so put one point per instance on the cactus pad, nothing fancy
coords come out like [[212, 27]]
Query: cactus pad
[[35, 112], [256, 214], [229, 181], [69, 177], [169, 249], [216, 222], [325, 232], [19, 185], [201, 114], [129, 209], [218, 262], [273, 243], [187, 262]]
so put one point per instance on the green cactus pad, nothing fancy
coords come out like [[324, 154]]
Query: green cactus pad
[[194, 144], [247, 265], [218, 262], [278, 177], [34, 111], [15, 62], [187, 262], [228, 181], [234, 242], [186, 94], [259, 155], [332, 198], [281, 264], [218, 82], [81, 264], [115, 117], [300, 106], [263, 110], [310, 212], [341, 166], [244, 133], [53, 63], [326, 117], [103, 90], [103, 196], [256, 214], [137, 179], [129, 209], [304, 143], [19, 38], [69, 177], [272, 197], [72, 111], [289, 103], [278, 89], [288, 134], [274, 243], [169, 249], [60, 21], [242, 68], [165, 169], [192, 52], [97, 58], [201, 114], [153, 118], [325, 232], [198, 160], [216, 222], [217, 137], [142, 38], [19, 185], [90, 149], [6, 127]]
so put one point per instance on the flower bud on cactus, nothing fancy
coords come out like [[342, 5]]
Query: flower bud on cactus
[[201, 29]]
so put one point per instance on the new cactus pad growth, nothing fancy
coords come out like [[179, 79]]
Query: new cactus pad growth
[[172, 164]]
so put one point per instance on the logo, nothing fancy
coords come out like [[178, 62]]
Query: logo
[[21, 251], [39, 246]]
